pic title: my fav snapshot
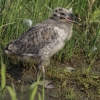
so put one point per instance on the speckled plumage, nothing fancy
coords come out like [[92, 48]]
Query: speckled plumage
[[41, 39], [45, 38]]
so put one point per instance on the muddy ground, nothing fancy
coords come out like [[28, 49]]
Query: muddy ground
[[22, 75]]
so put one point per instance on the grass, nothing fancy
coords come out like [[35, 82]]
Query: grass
[[82, 50]]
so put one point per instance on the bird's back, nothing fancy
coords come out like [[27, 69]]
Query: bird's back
[[44, 39]]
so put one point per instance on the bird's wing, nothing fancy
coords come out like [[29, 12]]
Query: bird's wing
[[38, 40]]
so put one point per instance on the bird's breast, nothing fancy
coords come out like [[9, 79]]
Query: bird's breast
[[62, 34]]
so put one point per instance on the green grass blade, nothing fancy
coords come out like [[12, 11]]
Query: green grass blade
[[39, 96], [3, 76], [7, 24], [3, 79], [12, 92]]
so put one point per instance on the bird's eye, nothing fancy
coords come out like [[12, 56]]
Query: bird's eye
[[56, 10], [63, 14]]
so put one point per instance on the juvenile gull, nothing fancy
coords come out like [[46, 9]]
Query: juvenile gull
[[44, 39]]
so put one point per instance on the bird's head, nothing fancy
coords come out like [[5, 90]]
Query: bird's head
[[64, 15]]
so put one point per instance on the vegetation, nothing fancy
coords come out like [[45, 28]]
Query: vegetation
[[82, 51]]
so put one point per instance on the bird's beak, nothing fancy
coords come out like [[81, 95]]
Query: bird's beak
[[73, 19]]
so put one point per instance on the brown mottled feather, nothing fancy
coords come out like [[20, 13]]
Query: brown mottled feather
[[38, 37], [44, 39]]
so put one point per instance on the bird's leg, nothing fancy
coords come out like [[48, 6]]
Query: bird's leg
[[40, 67], [43, 71], [38, 74], [46, 83]]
